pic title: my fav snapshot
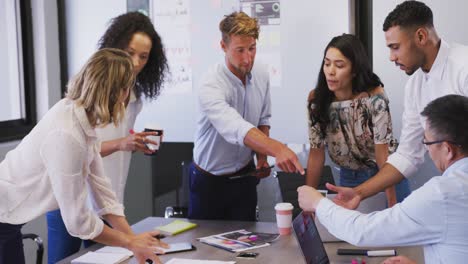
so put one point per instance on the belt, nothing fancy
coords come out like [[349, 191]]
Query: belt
[[242, 171]]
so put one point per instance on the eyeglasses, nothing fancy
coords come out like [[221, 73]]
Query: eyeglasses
[[427, 143]]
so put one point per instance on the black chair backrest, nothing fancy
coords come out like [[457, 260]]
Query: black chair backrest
[[180, 210], [166, 164], [40, 246], [289, 182]]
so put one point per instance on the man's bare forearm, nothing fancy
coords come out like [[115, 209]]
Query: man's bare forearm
[[265, 130], [261, 143], [386, 177], [315, 166]]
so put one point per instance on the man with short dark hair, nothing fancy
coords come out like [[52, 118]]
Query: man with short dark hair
[[436, 68], [435, 215]]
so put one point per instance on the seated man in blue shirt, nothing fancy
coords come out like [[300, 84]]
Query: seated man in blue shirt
[[234, 123], [434, 216]]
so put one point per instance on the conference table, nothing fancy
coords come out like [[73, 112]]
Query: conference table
[[283, 250]]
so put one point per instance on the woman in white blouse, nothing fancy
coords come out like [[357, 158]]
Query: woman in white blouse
[[58, 162], [134, 33]]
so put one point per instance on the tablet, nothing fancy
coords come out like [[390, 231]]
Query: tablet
[[177, 247]]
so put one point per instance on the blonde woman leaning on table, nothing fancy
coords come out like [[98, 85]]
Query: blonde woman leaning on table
[[349, 114], [134, 33], [58, 162]]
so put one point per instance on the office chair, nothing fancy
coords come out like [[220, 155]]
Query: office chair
[[289, 182], [180, 210], [40, 246]]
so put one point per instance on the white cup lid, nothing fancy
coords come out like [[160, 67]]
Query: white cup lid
[[284, 206]]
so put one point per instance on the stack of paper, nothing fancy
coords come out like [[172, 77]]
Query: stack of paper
[[197, 261], [105, 255], [118, 250], [176, 227]]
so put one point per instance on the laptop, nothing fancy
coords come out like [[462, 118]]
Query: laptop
[[288, 183], [375, 203], [309, 240]]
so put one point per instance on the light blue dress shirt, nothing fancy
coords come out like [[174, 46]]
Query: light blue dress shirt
[[228, 110], [434, 216]]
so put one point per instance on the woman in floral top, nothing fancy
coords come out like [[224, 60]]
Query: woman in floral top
[[349, 113]]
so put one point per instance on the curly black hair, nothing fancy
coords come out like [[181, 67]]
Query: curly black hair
[[119, 35]]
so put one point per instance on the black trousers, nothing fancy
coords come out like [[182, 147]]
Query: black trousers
[[11, 244], [221, 198]]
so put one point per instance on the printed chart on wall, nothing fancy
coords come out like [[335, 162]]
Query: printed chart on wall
[[268, 47], [173, 23]]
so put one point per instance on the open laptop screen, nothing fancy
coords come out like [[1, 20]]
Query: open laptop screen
[[309, 240]]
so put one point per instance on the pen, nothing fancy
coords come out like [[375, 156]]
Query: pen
[[366, 252], [159, 236]]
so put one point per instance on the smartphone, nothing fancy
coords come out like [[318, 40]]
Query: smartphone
[[247, 255], [177, 247]]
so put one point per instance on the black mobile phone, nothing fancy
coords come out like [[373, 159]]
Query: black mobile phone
[[247, 255], [178, 247]]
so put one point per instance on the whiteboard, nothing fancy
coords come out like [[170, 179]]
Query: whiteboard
[[305, 29]]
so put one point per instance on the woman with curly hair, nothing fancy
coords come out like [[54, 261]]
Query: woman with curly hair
[[134, 33], [349, 114]]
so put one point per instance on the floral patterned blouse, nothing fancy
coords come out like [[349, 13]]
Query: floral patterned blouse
[[354, 129]]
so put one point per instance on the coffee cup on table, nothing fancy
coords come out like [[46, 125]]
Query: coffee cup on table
[[284, 217], [156, 138]]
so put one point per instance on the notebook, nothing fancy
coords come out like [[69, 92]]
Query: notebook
[[176, 227], [375, 203], [309, 240], [100, 258]]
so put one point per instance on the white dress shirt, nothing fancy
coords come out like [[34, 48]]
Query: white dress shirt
[[228, 111], [55, 166], [117, 164], [434, 216], [448, 75]]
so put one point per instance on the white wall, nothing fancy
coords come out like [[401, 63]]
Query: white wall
[[450, 22], [306, 28], [86, 21], [47, 74]]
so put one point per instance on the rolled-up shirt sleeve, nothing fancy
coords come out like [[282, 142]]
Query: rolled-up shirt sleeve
[[65, 161], [224, 118], [104, 198], [410, 152], [266, 109]]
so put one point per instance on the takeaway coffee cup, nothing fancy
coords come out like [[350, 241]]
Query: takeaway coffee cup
[[156, 138], [284, 217]]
